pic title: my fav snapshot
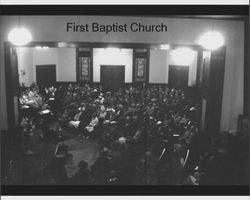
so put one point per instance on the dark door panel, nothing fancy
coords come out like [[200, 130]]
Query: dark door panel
[[112, 76], [178, 76], [45, 74]]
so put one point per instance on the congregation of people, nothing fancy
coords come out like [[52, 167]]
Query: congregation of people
[[148, 135]]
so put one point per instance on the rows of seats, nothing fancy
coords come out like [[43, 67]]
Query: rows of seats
[[148, 134]]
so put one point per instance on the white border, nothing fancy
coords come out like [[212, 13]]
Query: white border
[[123, 2]]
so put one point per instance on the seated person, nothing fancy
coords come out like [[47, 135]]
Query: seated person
[[93, 123], [110, 112], [64, 116], [75, 123], [102, 111], [50, 92], [119, 113]]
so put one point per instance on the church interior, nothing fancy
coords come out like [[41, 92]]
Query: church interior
[[128, 108]]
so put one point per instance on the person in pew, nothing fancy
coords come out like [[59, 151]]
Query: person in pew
[[129, 123], [91, 126], [75, 123]]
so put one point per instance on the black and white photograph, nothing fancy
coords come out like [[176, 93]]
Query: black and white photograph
[[124, 100]]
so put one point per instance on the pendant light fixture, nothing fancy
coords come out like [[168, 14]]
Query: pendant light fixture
[[19, 36], [211, 40]]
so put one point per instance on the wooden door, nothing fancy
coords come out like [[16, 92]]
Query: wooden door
[[178, 76], [112, 77], [45, 74]]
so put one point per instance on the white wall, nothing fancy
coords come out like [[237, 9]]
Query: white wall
[[45, 57], [112, 57], [25, 62], [67, 64], [233, 90], [63, 58], [159, 66], [180, 31]]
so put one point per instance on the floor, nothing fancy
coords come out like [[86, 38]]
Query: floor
[[38, 167], [79, 150]]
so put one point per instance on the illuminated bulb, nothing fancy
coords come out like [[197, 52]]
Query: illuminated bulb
[[19, 36], [211, 40], [164, 47], [42, 48], [62, 44], [182, 56]]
